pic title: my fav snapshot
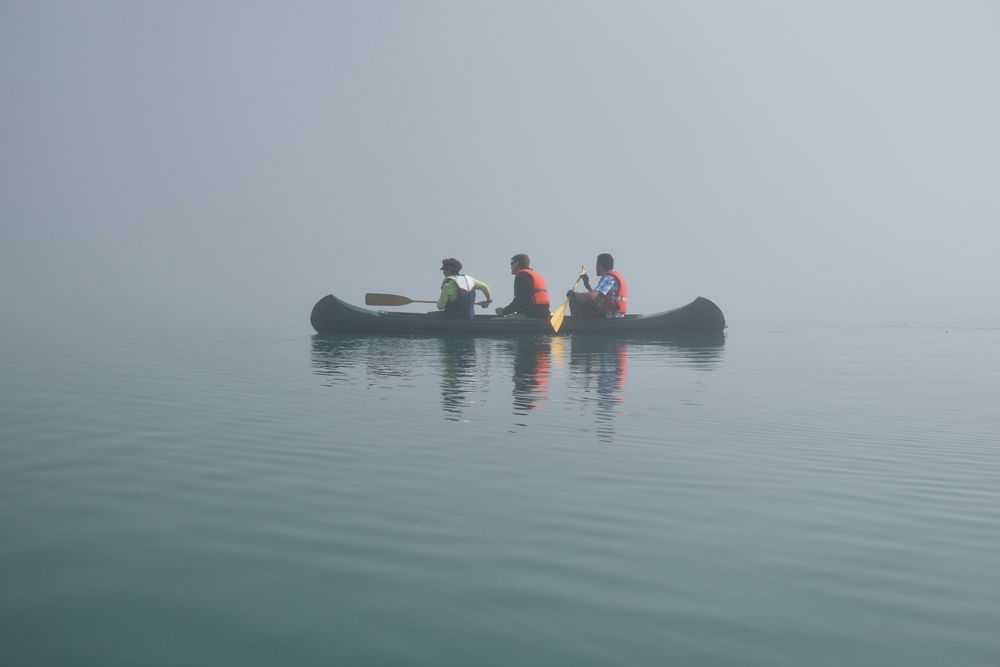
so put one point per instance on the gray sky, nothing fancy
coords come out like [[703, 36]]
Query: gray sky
[[232, 162]]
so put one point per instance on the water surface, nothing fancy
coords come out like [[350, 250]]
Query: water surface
[[792, 496]]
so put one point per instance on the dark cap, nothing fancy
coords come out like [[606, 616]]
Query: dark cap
[[451, 264]]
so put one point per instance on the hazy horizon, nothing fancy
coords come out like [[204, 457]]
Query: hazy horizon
[[234, 162]]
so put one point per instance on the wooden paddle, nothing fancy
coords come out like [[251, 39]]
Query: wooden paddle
[[379, 299], [557, 317]]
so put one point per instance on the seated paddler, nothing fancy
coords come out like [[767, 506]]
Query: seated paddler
[[458, 291], [609, 298], [531, 296]]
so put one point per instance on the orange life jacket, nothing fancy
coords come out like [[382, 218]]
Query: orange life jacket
[[616, 303], [539, 294]]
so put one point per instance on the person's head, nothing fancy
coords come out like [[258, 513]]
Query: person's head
[[605, 263], [451, 266], [518, 262]]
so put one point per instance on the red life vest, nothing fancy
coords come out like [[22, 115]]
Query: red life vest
[[616, 303], [539, 294]]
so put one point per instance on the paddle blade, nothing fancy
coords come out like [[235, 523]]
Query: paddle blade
[[557, 317], [377, 299]]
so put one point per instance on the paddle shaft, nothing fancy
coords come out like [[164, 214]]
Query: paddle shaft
[[379, 299], [557, 317]]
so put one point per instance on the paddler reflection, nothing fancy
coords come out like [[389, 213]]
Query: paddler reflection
[[601, 365], [458, 375], [532, 367]]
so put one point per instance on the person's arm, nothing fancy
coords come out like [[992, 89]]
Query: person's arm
[[572, 293], [485, 289], [522, 294], [449, 290], [605, 287]]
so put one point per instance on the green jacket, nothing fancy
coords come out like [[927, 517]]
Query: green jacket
[[449, 290]]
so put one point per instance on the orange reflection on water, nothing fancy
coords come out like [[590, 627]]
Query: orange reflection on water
[[532, 371]]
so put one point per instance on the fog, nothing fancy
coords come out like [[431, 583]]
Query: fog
[[229, 163]]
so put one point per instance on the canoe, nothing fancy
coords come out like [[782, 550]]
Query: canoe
[[331, 315]]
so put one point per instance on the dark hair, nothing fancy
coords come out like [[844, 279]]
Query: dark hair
[[606, 260], [451, 264], [522, 260]]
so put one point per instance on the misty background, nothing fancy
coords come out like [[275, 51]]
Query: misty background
[[226, 164]]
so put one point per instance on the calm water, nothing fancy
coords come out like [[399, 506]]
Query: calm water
[[799, 496]]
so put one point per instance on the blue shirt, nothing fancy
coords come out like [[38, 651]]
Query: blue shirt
[[608, 286]]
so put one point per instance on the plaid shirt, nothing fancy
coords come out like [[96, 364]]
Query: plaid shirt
[[608, 286]]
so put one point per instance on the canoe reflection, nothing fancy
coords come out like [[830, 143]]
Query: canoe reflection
[[598, 369], [334, 357]]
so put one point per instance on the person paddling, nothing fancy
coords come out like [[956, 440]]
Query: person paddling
[[531, 297], [458, 291], [608, 299]]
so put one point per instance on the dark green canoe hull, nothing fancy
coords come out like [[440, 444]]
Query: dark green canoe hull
[[331, 315]]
